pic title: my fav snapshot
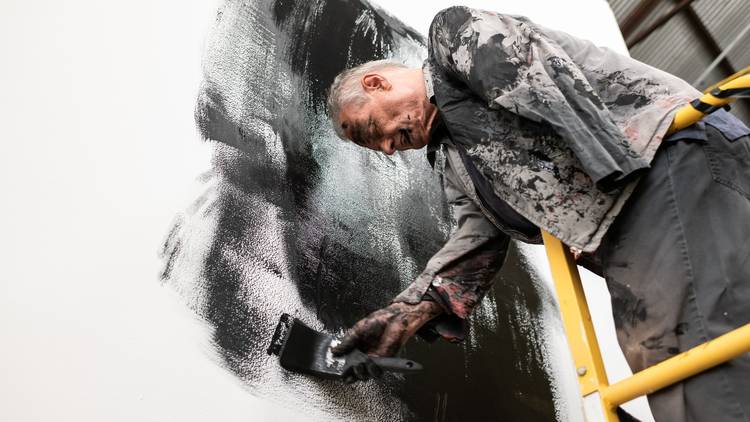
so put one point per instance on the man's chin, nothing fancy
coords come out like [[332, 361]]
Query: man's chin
[[421, 144]]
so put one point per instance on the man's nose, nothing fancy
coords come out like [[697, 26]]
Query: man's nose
[[386, 146]]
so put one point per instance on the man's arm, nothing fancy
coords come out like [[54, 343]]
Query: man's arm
[[510, 62], [459, 275]]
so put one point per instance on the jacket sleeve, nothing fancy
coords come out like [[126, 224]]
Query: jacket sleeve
[[463, 270], [509, 62]]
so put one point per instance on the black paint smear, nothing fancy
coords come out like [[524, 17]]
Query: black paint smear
[[636, 100], [627, 307], [502, 380], [332, 260], [332, 41], [231, 315], [629, 91], [170, 248], [503, 71]]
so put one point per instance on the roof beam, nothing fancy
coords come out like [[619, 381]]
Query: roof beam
[[638, 15], [658, 23]]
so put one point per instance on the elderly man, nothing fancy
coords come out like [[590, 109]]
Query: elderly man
[[539, 129]]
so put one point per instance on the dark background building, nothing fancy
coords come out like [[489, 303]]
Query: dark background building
[[685, 38]]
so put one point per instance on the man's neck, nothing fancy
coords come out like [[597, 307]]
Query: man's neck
[[433, 117]]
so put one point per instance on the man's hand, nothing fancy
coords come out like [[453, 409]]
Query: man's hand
[[383, 332]]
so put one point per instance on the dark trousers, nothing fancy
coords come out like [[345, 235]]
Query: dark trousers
[[677, 264]]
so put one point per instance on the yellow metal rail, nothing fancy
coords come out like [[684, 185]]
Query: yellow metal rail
[[577, 321], [599, 396], [716, 98], [727, 79], [677, 368]]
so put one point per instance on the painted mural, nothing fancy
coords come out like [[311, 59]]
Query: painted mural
[[291, 219]]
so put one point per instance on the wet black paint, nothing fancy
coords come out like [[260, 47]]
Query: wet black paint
[[504, 71], [636, 100], [629, 91], [629, 309], [333, 41], [500, 381], [334, 262]]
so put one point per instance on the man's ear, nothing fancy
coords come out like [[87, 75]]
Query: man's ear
[[375, 82]]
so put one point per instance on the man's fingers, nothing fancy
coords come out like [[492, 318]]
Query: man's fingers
[[387, 349], [347, 344], [365, 335], [360, 371], [373, 369], [392, 349], [390, 344]]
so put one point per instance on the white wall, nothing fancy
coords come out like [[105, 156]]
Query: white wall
[[98, 150]]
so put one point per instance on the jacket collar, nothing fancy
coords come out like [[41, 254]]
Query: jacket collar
[[439, 135]]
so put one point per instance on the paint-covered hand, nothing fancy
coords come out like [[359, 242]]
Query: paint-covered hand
[[383, 332], [359, 367]]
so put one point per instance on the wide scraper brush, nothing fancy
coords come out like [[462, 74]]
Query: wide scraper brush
[[302, 349]]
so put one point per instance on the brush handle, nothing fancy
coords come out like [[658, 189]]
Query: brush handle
[[397, 364]]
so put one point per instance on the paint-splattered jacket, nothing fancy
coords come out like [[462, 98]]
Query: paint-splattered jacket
[[559, 128]]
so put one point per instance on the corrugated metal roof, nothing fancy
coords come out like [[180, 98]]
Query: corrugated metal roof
[[679, 47]]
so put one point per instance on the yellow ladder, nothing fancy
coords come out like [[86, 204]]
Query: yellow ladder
[[600, 399]]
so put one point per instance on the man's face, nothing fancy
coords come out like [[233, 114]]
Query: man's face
[[395, 119]]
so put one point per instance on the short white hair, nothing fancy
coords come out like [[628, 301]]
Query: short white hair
[[346, 89]]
